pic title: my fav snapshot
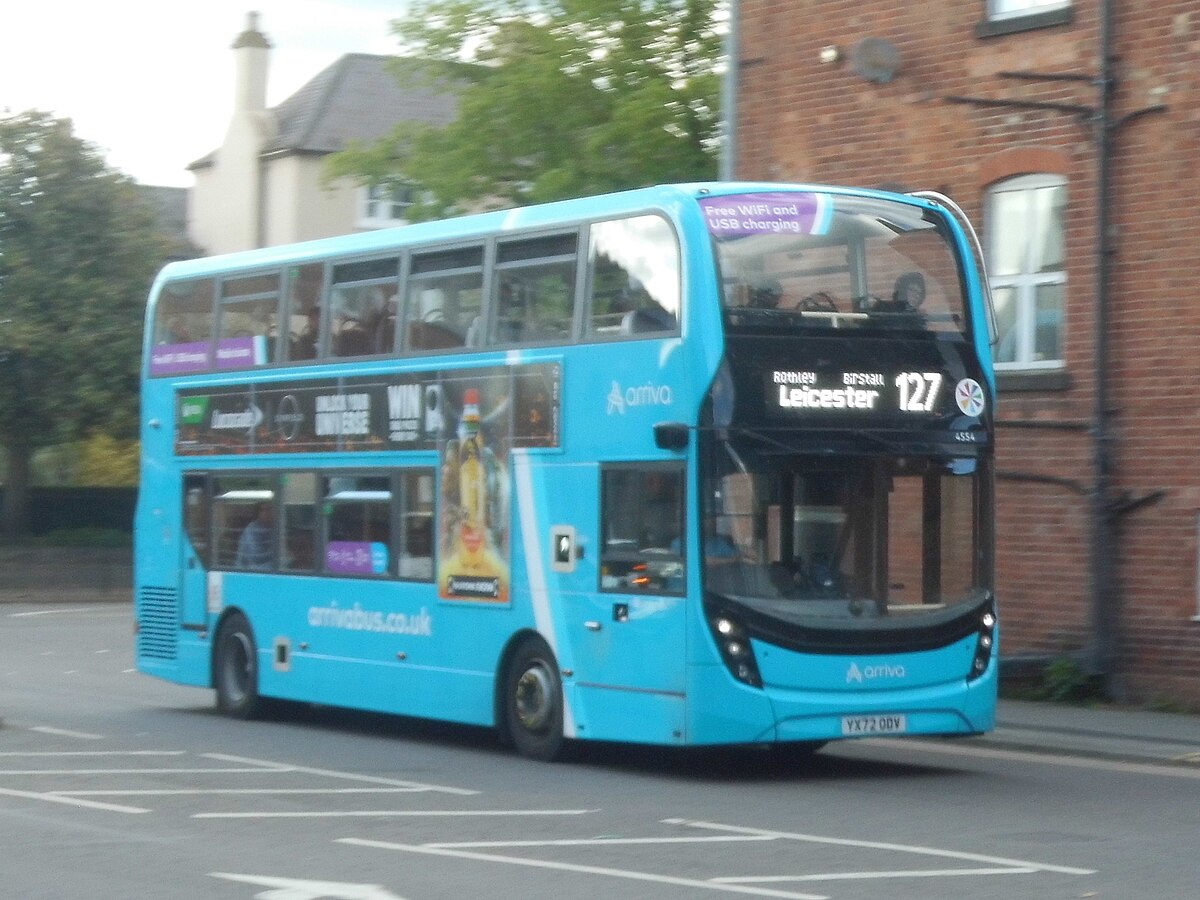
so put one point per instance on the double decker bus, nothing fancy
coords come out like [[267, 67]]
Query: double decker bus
[[686, 465]]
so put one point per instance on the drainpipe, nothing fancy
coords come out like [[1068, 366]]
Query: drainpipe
[[729, 95], [1103, 568]]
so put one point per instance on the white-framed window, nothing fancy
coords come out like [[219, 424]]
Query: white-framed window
[[1008, 9], [1027, 267], [384, 205]]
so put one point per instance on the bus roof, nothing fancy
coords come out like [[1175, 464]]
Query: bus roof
[[479, 225]]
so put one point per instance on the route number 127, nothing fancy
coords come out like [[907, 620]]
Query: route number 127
[[918, 390]]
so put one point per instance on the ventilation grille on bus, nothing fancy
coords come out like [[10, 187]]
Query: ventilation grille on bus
[[158, 622]]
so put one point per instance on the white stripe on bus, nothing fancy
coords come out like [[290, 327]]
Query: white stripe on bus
[[539, 592]]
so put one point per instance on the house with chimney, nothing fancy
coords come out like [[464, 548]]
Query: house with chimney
[[265, 184]]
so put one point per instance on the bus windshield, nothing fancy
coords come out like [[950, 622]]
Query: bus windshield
[[809, 538], [815, 260]]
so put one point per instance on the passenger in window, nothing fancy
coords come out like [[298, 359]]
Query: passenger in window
[[765, 294], [256, 546], [385, 328], [352, 339], [176, 332], [907, 297], [304, 345]]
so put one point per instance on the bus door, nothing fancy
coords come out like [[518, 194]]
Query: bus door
[[624, 597], [193, 566]]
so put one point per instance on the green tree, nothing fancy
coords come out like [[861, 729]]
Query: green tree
[[557, 98], [78, 250]]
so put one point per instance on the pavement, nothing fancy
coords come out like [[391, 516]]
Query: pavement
[[1114, 733]]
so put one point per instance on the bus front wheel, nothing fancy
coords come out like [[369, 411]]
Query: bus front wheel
[[235, 669], [533, 701]]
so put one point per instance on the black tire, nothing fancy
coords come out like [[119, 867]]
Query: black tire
[[235, 669], [533, 701]]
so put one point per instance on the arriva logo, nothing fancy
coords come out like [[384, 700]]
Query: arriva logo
[[855, 675], [648, 394]]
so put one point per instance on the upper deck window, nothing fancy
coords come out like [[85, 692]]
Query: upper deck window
[[183, 328], [444, 300], [362, 308], [634, 276], [810, 260], [304, 308], [248, 329], [535, 299]]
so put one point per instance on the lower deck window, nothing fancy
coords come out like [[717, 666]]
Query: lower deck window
[[357, 514], [642, 526], [374, 525], [244, 532]]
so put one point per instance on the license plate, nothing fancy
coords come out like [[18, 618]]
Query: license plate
[[861, 726]]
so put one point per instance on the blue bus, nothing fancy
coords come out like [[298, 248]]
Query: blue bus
[[686, 465]]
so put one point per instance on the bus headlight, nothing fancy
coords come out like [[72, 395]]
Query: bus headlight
[[736, 652], [985, 644]]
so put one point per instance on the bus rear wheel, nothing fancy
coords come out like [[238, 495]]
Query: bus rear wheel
[[533, 701], [235, 669]]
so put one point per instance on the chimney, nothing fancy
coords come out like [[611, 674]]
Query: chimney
[[251, 49]]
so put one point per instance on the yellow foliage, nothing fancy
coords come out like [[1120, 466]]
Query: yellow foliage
[[106, 461]]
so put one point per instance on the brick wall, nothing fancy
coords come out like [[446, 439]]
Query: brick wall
[[804, 120]]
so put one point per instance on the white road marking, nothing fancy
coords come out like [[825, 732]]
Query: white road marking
[[347, 776], [92, 752], [63, 732], [860, 876], [193, 792], [595, 842], [70, 801], [90, 612], [196, 771], [392, 813], [304, 889], [47, 612], [882, 845], [585, 870]]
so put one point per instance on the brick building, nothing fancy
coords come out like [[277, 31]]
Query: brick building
[[1001, 104]]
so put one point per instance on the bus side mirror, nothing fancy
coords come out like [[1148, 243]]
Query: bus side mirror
[[671, 435]]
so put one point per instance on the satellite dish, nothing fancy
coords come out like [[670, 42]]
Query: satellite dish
[[875, 59]]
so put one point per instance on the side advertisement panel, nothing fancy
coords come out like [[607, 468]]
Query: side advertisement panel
[[412, 411]]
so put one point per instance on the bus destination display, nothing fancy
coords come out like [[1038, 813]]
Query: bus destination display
[[796, 392]]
